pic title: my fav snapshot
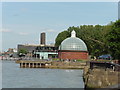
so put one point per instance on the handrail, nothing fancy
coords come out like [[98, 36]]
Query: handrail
[[106, 65]]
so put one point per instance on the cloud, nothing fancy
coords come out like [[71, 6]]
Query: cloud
[[5, 30], [50, 30], [23, 33]]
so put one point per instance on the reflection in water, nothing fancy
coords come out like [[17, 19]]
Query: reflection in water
[[69, 70], [15, 77]]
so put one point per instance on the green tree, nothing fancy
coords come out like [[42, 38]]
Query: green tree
[[61, 36], [22, 52], [93, 36], [113, 38]]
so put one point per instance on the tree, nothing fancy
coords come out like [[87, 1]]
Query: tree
[[22, 52], [61, 36], [113, 38], [93, 36]]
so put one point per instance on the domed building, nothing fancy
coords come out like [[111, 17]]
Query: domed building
[[73, 48]]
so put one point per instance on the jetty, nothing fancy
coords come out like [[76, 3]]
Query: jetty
[[50, 64], [33, 64]]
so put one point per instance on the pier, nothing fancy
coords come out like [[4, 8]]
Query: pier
[[33, 64], [50, 64]]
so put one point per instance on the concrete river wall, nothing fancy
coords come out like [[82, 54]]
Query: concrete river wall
[[51, 64], [97, 76]]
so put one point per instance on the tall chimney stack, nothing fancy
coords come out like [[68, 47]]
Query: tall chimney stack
[[43, 37]]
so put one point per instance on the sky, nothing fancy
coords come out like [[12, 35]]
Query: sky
[[22, 22]]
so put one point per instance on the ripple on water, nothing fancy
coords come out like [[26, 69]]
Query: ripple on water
[[15, 77]]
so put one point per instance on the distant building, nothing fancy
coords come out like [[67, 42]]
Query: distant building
[[41, 51], [43, 38], [28, 47], [46, 52], [73, 48], [11, 52]]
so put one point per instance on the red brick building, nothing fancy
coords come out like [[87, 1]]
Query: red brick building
[[73, 48]]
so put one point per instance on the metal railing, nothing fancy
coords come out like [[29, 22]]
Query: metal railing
[[105, 65]]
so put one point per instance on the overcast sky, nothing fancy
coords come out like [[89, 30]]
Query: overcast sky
[[24, 21]]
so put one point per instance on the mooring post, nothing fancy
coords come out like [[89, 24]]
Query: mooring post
[[20, 65], [36, 65]]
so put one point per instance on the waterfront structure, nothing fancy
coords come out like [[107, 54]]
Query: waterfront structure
[[73, 48], [50, 64], [41, 51], [34, 64], [46, 52], [10, 54]]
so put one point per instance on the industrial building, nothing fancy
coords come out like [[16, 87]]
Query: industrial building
[[41, 51], [71, 48]]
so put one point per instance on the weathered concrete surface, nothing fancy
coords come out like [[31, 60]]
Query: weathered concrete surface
[[56, 64], [67, 65], [99, 78], [30, 61]]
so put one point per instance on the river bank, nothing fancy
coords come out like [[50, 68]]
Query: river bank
[[93, 78], [100, 77]]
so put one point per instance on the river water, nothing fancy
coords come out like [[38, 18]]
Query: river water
[[15, 77]]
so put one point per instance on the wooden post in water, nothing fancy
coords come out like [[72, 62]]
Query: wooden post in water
[[40, 64], [36, 65], [33, 65], [29, 65], [21, 65], [25, 65]]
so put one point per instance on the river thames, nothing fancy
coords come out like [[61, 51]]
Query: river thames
[[15, 77]]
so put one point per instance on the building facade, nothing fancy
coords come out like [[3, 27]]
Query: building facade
[[40, 51], [46, 52], [73, 48]]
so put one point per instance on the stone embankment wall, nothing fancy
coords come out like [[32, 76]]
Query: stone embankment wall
[[100, 78], [67, 65]]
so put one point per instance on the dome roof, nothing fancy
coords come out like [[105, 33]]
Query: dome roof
[[73, 43]]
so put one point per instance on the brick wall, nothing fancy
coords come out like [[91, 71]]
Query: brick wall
[[73, 55]]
